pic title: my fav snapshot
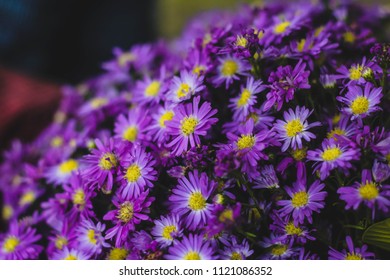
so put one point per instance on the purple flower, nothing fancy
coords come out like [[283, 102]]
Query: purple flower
[[167, 230], [303, 202], [357, 73], [185, 87], [361, 103], [188, 123], [90, 237], [70, 255], [149, 90], [193, 247], [19, 243], [267, 178], [277, 249], [333, 154], [133, 127], [294, 128], [137, 173], [189, 199], [380, 171], [129, 212], [233, 250], [353, 253], [62, 172], [229, 69], [367, 192], [158, 126]]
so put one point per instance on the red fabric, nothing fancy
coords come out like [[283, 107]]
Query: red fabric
[[26, 106]]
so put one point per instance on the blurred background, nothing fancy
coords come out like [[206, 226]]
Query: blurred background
[[46, 43]]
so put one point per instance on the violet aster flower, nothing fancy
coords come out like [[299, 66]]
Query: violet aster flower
[[149, 90], [90, 237], [19, 243], [295, 127], [101, 165], [277, 249], [367, 192], [333, 154], [71, 255], [284, 82], [380, 171], [188, 123], [137, 172], [167, 229], [357, 73], [303, 202], [189, 199], [129, 212], [185, 87], [158, 126], [247, 98], [353, 253], [361, 103], [133, 127], [267, 178], [229, 69], [234, 250], [62, 172], [193, 247]]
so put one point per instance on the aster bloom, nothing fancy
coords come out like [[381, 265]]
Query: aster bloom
[[70, 255], [101, 165], [295, 127], [267, 178], [132, 128], [19, 243], [193, 247], [185, 87], [189, 199], [158, 126], [229, 69], [277, 249], [366, 192], [380, 171], [90, 237], [62, 172], [357, 73], [361, 103], [303, 202], [129, 213], [137, 172], [352, 252], [233, 250], [150, 90], [188, 123], [247, 98], [333, 155], [222, 218], [167, 229]]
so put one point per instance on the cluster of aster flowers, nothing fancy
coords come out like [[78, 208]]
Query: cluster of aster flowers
[[258, 134]]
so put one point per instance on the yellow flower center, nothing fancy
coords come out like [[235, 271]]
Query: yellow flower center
[[336, 131], [10, 244], [61, 242], [79, 197], [70, 257], [167, 116], [353, 257], [91, 236], [167, 232], [300, 199], [355, 72], [226, 215], [301, 45], [183, 90], [318, 31], [198, 69], [368, 191], [278, 250], [98, 102], [126, 212], [241, 41], [133, 173], [349, 37], [293, 127], [130, 134], [7, 212], [229, 68], [236, 256], [125, 57], [117, 254], [27, 198], [57, 142], [281, 27], [246, 141], [330, 154], [299, 154], [291, 229], [244, 97], [360, 105], [108, 161], [191, 255], [188, 125], [68, 166], [336, 118], [152, 89], [196, 201]]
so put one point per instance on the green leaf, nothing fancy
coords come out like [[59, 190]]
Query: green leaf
[[378, 235]]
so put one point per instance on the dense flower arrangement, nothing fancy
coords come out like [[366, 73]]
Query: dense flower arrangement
[[259, 134]]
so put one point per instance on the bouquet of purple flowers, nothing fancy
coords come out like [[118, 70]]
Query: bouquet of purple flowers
[[258, 134]]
